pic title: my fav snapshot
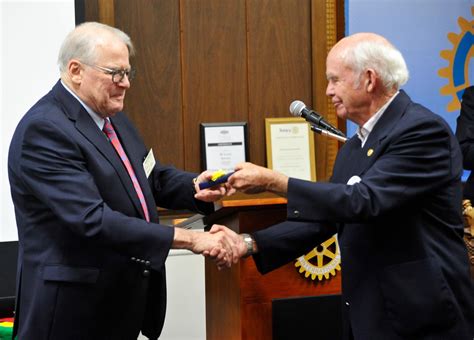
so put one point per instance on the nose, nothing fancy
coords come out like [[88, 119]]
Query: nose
[[124, 82], [329, 90]]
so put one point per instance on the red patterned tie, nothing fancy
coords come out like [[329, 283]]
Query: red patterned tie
[[110, 132]]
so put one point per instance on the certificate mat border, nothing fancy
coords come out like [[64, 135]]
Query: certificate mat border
[[292, 120], [203, 126]]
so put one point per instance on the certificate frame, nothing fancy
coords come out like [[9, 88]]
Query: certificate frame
[[296, 134], [230, 139]]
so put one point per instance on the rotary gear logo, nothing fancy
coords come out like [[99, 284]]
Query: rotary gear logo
[[322, 261], [458, 58]]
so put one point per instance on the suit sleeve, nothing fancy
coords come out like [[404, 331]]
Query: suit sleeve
[[465, 128], [419, 158], [284, 242], [173, 189]]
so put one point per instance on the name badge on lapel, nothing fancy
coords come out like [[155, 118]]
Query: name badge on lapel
[[149, 163]]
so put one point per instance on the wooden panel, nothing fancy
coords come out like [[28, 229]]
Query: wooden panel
[[91, 10], [214, 68], [257, 321], [221, 61], [106, 12], [326, 31], [223, 309], [279, 48], [154, 101], [257, 292], [282, 282], [97, 10], [340, 33]]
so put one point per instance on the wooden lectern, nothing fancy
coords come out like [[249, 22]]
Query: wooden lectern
[[239, 299]]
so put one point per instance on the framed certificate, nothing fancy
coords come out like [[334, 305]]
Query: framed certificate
[[223, 145], [290, 147]]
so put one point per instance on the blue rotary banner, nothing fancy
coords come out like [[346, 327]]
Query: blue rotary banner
[[437, 39]]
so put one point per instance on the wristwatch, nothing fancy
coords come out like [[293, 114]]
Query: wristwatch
[[250, 243]]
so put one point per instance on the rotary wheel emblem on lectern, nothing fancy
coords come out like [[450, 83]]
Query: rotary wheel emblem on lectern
[[322, 261]]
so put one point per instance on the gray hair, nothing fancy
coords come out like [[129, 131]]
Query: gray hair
[[81, 43], [380, 56]]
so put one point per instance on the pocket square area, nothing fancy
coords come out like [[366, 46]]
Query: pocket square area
[[353, 180]]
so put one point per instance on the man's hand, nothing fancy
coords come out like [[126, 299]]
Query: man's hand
[[210, 194], [218, 245], [252, 179], [239, 248]]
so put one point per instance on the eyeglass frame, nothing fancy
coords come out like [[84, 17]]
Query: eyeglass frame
[[114, 72]]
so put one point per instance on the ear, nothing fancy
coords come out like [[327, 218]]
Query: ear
[[75, 70], [371, 80]]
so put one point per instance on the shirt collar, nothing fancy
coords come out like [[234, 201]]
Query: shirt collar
[[95, 117], [364, 131]]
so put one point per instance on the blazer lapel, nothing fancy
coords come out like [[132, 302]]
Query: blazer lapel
[[387, 123], [347, 163], [357, 160], [88, 128]]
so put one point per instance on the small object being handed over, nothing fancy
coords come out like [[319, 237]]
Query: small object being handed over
[[218, 177]]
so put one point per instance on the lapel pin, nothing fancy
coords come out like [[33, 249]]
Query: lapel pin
[[370, 152]]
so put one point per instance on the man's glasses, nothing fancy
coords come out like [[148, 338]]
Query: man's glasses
[[117, 74]]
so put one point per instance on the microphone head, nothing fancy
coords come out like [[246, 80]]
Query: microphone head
[[296, 107]]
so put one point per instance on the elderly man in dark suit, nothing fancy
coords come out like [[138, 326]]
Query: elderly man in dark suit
[[92, 252], [394, 201]]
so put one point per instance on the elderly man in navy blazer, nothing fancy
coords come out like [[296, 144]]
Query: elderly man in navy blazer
[[92, 252], [394, 201]]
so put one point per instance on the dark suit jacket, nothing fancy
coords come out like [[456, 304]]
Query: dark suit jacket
[[465, 135], [404, 264], [90, 266]]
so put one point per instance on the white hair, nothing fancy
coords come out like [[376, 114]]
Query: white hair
[[81, 43], [382, 57]]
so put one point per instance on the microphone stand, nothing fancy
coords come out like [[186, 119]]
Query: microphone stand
[[327, 133]]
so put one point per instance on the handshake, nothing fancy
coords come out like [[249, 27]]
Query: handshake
[[222, 244]]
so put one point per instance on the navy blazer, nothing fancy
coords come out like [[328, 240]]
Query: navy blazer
[[90, 266], [405, 273]]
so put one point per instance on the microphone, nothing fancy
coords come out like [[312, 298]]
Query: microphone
[[328, 134], [299, 109]]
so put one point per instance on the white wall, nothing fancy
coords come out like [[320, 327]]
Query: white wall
[[30, 36], [186, 311]]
